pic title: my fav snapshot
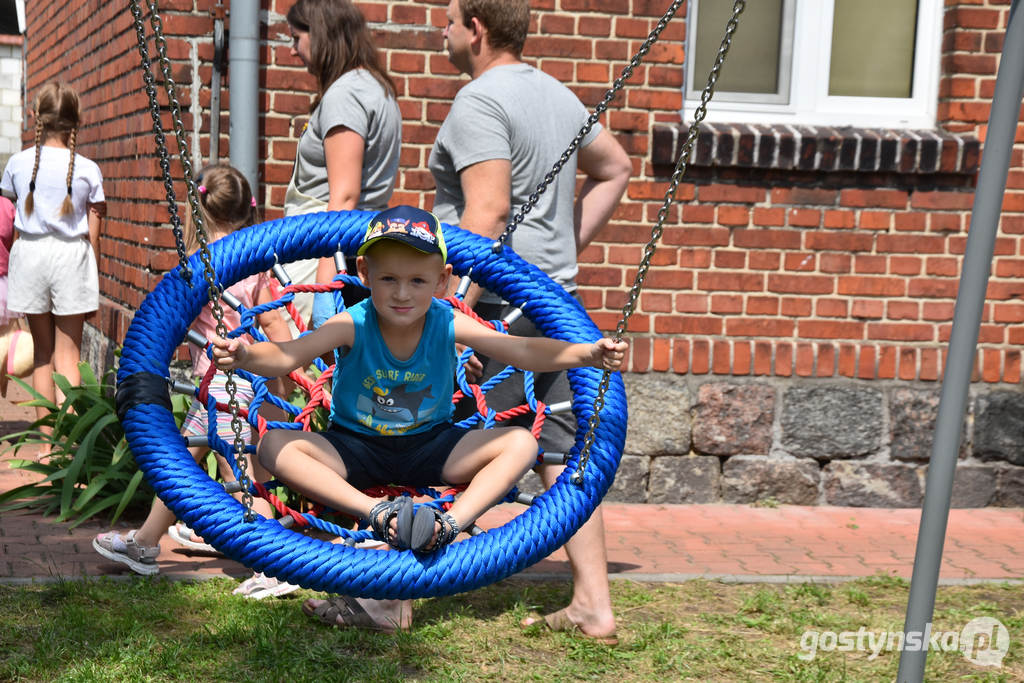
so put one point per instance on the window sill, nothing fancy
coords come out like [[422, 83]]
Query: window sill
[[820, 148]]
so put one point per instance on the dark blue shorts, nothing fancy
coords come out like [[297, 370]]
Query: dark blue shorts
[[405, 460]]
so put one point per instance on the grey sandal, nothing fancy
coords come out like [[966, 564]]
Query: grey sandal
[[423, 529], [384, 512]]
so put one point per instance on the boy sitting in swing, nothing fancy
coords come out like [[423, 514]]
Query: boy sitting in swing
[[391, 407]]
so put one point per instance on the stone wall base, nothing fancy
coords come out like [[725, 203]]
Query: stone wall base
[[810, 442]]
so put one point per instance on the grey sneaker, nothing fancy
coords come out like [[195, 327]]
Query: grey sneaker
[[141, 559]]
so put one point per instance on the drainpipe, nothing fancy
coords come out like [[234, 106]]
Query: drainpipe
[[218, 13], [243, 82]]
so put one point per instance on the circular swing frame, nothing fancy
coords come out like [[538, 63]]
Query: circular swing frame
[[265, 545]]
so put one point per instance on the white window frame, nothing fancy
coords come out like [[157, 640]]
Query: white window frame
[[809, 102]]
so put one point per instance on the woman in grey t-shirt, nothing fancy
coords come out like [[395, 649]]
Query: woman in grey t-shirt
[[347, 156]]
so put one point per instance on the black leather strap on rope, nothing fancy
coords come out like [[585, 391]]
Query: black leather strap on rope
[[142, 387]]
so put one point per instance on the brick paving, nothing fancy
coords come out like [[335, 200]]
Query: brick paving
[[645, 542]]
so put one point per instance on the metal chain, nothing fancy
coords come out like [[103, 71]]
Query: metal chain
[[601, 107], [658, 229], [213, 289]]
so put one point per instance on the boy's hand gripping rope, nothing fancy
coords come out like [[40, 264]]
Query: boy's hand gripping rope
[[213, 289]]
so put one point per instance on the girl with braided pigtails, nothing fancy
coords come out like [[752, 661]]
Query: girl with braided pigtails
[[53, 276]]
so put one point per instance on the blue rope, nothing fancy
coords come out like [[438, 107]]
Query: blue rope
[[264, 545]]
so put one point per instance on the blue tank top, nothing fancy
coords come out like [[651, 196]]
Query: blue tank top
[[375, 393]]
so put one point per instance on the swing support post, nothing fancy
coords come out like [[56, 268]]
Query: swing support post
[[970, 301]]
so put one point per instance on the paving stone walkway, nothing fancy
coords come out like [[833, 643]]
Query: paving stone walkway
[[645, 542]]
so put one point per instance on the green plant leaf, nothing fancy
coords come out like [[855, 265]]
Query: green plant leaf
[[129, 493]]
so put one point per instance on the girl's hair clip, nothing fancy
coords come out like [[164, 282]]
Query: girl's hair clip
[[253, 202], [202, 189]]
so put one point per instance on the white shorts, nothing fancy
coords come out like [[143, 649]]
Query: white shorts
[[52, 274]]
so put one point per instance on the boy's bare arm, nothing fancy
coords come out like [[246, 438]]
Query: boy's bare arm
[[274, 359], [538, 354]]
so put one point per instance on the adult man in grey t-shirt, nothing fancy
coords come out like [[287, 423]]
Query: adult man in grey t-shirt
[[505, 130]]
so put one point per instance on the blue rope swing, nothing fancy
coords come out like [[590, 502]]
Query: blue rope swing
[[162, 322]]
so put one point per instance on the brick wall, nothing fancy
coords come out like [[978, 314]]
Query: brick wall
[[795, 254]]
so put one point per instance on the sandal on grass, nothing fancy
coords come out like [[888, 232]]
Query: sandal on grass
[[561, 622], [423, 529], [344, 611]]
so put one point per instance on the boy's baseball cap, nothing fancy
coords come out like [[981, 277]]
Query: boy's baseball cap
[[418, 228]]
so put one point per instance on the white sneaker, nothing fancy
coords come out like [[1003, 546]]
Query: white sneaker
[[259, 586], [184, 535]]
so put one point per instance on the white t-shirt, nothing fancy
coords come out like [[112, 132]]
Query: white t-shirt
[[51, 189]]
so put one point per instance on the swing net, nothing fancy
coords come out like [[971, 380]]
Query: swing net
[[266, 545], [314, 386]]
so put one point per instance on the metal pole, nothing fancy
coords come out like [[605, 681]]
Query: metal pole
[[988, 200], [217, 73], [244, 81]]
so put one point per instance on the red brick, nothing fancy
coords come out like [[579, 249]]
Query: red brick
[[887, 363], [762, 358], [831, 308], [701, 358], [762, 305], [680, 356], [760, 260], [731, 282], [867, 309], [796, 307], [734, 215], [691, 303], [839, 219], [769, 217], [871, 286], [742, 358], [835, 263], [804, 360], [759, 327], [736, 260], [847, 364], [822, 329], [904, 310], [721, 358], [691, 324], [908, 363], [878, 199], [801, 261], [801, 284], [805, 218], [866, 363], [784, 359], [826, 364], [902, 331], [661, 355], [726, 304]]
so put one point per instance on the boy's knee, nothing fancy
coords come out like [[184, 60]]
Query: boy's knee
[[268, 448], [523, 441]]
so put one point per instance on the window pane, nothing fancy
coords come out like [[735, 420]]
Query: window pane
[[873, 48], [753, 61]]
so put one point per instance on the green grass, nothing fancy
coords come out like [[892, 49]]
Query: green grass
[[157, 630]]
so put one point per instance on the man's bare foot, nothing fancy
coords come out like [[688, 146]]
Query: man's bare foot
[[600, 630]]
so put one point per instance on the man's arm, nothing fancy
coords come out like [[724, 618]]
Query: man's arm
[[607, 168], [487, 189]]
